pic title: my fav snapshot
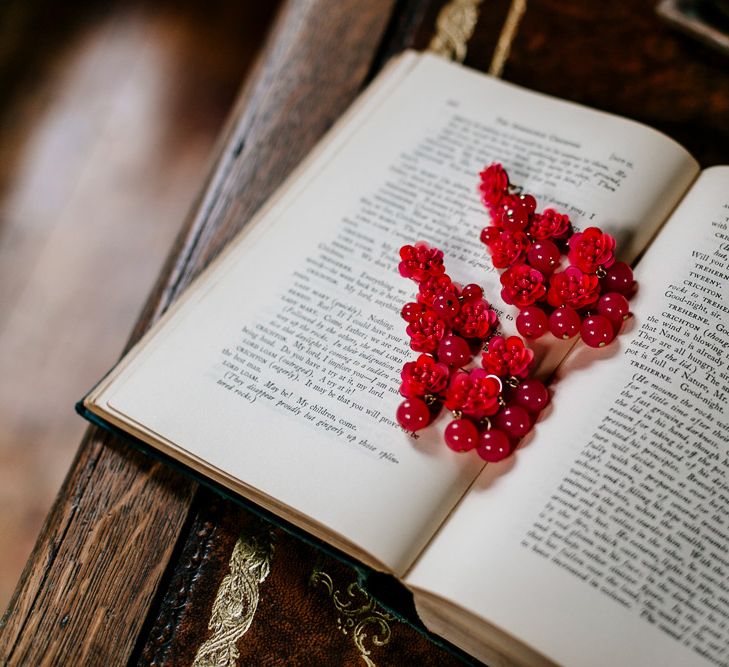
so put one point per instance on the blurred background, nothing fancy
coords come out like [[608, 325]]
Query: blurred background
[[109, 111]]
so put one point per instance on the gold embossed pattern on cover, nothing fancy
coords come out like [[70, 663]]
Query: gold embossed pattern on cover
[[358, 615], [454, 27], [237, 599]]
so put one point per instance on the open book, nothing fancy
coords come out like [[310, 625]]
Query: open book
[[604, 539]]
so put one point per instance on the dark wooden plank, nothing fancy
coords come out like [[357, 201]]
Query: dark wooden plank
[[88, 585], [104, 547]]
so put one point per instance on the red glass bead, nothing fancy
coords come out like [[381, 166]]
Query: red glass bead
[[515, 218], [532, 395], [447, 305], [528, 202], [412, 311], [489, 235], [544, 256], [619, 278], [413, 414], [472, 292], [493, 446], [564, 323], [513, 420], [615, 307], [532, 322], [597, 331], [461, 435], [454, 351]]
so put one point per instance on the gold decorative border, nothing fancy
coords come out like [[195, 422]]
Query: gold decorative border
[[506, 38], [358, 613], [237, 599]]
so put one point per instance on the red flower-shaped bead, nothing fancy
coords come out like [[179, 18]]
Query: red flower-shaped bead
[[506, 248], [423, 376], [433, 286], [549, 225], [475, 394], [494, 185], [522, 286], [573, 288], [426, 331], [591, 249], [507, 356], [476, 319], [420, 261]]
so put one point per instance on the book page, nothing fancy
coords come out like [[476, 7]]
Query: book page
[[280, 373], [605, 539]]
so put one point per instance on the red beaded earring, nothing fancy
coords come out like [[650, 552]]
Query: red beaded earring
[[587, 297], [493, 406]]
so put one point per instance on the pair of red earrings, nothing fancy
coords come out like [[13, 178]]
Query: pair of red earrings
[[496, 404], [588, 297]]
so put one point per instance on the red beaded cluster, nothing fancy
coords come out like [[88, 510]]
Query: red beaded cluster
[[494, 405], [589, 296]]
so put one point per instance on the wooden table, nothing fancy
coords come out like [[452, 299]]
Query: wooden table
[[134, 558]]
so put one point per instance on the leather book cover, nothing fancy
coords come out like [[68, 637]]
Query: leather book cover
[[243, 591]]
